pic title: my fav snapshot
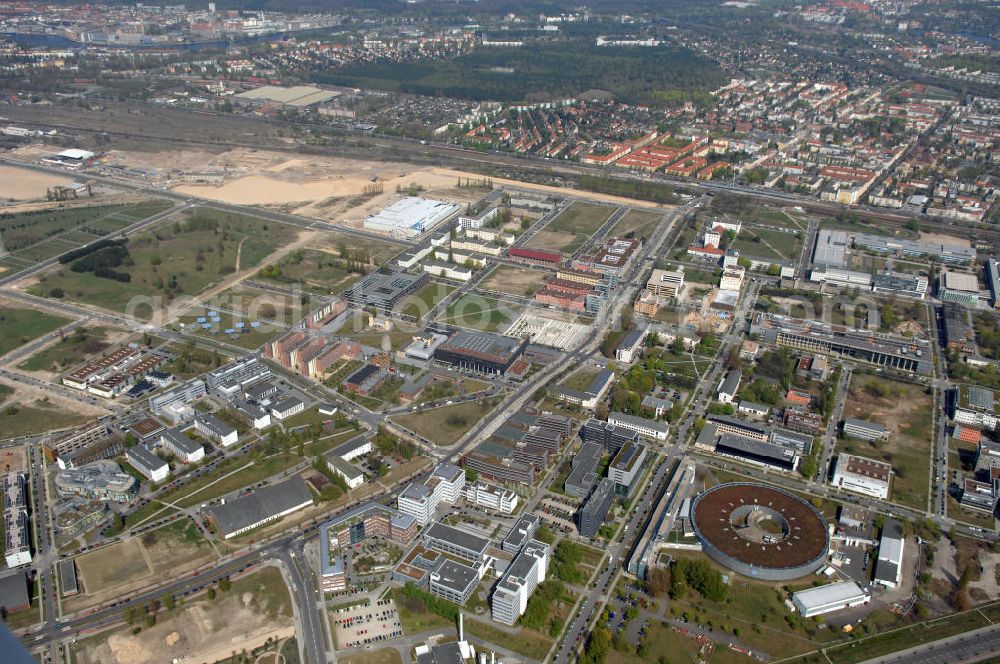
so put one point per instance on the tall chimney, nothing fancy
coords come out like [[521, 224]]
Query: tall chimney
[[461, 628]]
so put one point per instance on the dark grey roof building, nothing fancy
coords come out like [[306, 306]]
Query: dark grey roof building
[[267, 504]]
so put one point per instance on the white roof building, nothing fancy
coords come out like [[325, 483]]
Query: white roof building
[[825, 599]]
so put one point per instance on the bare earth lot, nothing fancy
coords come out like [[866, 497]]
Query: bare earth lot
[[20, 184], [515, 280], [126, 566], [204, 631]]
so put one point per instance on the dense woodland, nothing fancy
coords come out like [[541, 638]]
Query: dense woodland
[[553, 70]]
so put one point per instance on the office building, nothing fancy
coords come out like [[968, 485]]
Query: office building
[[589, 397], [522, 533], [993, 280], [491, 497], [385, 288], [455, 542], [17, 545], [284, 408], [445, 484], [641, 425], [454, 581], [148, 464], [861, 475], [958, 287], [590, 517], [666, 283], [483, 352], [977, 406], [610, 436], [183, 448], [103, 480], [626, 467], [250, 414], [631, 345], [583, 476], [510, 597], [351, 475], [900, 284], [889, 565], [175, 404], [216, 429], [863, 430], [729, 385], [886, 350]]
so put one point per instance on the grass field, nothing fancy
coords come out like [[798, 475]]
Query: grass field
[[759, 612], [447, 424], [19, 326], [36, 417], [665, 645], [638, 222], [383, 656], [414, 616], [419, 304], [573, 228], [905, 410], [181, 257], [528, 642], [522, 281], [83, 343], [771, 244], [314, 271], [377, 251], [268, 591], [581, 378], [258, 470], [479, 313], [46, 233], [899, 639]]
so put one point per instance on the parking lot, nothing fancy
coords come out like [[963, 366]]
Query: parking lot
[[366, 624]]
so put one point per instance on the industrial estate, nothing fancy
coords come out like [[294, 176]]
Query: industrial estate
[[419, 336]]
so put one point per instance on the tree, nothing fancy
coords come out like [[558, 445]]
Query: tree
[[211, 593], [471, 475], [225, 584], [169, 602], [657, 581]]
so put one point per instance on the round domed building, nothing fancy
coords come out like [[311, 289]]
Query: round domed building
[[760, 531]]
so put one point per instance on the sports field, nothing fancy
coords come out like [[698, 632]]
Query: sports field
[[523, 281]]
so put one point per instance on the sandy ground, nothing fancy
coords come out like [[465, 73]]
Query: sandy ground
[[13, 459], [316, 186], [29, 395], [945, 239], [21, 184], [203, 632]]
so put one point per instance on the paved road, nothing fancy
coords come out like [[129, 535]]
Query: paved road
[[974, 646]]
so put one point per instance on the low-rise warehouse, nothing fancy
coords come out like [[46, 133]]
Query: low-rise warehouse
[[267, 504]]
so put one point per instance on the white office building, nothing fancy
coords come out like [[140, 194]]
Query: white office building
[[420, 501], [182, 447], [216, 429], [510, 598], [148, 464], [641, 425], [491, 497], [860, 475], [889, 565]]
